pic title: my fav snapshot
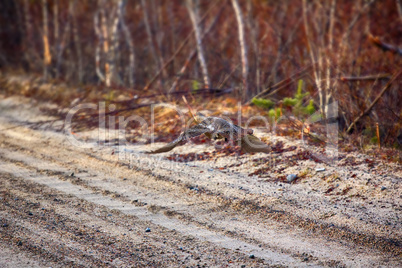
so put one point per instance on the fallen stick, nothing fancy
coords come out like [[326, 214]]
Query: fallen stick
[[378, 135], [367, 77]]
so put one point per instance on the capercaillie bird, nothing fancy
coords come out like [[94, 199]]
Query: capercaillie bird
[[216, 127]]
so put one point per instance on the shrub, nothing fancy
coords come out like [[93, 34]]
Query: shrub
[[263, 103]]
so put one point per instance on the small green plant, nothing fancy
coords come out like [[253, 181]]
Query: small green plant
[[315, 117], [263, 103], [299, 95], [310, 109], [290, 102], [374, 140], [195, 85], [275, 113], [297, 102], [110, 96], [369, 135]]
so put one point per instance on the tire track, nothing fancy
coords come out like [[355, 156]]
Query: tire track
[[115, 238]]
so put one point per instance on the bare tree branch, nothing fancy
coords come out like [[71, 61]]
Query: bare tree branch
[[368, 109], [386, 47], [280, 85]]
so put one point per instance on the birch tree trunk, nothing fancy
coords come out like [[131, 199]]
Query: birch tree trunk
[[243, 47], [114, 40], [192, 54], [56, 40], [98, 47], [130, 44], [254, 33], [105, 38], [192, 7], [316, 71], [172, 27], [315, 13]]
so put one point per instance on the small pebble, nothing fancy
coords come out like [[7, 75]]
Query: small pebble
[[291, 177], [383, 188], [148, 230]]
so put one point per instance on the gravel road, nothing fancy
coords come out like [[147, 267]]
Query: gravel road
[[65, 206]]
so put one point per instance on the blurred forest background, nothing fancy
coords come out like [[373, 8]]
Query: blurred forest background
[[267, 53]]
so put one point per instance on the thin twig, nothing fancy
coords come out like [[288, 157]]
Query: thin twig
[[384, 46], [280, 85], [367, 77], [387, 86]]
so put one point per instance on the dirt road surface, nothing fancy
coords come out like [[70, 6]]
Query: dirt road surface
[[109, 206]]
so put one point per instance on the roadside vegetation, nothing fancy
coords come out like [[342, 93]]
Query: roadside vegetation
[[272, 58]]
